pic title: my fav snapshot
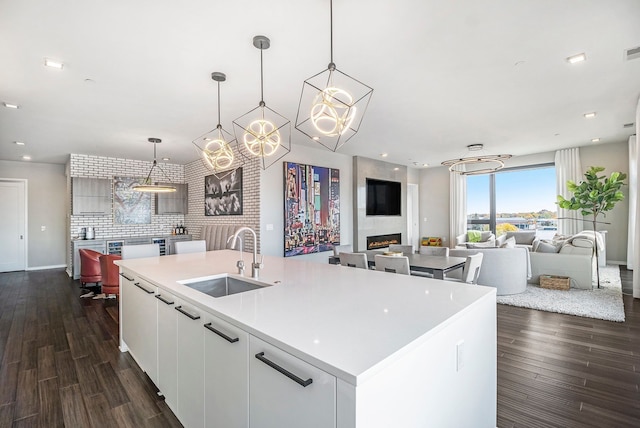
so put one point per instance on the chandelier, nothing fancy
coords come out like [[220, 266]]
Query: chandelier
[[263, 133], [147, 185], [476, 165], [332, 103], [216, 146]]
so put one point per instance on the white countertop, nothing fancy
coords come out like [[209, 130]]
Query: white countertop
[[349, 322]]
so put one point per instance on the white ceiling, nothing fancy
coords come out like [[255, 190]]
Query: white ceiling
[[445, 74]]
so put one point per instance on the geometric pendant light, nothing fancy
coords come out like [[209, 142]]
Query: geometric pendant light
[[262, 132], [332, 104], [216, 146], [147, 185]]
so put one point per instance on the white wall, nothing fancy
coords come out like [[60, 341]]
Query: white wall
[[434, 194], [272, 199], [47, 202]]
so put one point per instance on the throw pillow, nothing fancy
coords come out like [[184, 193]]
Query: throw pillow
[[509, 243], [484, 236], [500, 240], [473, 235], [480, 244], [545, 247]]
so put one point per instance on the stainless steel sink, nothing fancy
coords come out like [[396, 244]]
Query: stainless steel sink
[[222, 286]]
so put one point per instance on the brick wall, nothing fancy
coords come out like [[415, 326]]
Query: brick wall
[[196, 171], [105, 167]]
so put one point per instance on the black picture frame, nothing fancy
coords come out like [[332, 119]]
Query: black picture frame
[[223, 193]]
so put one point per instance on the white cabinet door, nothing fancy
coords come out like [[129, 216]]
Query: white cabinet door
[[226, 374], [167, 349], [277, 395], [190, 365], [140, 323]]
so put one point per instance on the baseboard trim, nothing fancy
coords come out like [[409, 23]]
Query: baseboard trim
[[46, 267]]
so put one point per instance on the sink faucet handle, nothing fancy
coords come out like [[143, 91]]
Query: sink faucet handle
[[240, 265]]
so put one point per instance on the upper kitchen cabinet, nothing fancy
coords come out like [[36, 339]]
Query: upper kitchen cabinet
[[91, 196], [173, 202]]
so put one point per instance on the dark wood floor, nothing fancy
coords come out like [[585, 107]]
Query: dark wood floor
[[60, 361], [61, 365]]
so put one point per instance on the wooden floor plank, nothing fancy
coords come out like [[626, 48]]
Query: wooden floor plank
[[50, 407], [46, 363], [27, 402], [74, 412]]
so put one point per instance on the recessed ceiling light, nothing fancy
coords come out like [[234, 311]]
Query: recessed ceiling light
[[384, 155], [9, 105], [425, 164], [595, 140], [577, 58], [316, 138], [53, 64], [590, 115], [26, 157], [166, 159], [396, 169], [19, 143]]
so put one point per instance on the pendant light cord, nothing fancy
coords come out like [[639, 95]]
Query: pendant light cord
[[331, 27], [261, 77], [219, 104]]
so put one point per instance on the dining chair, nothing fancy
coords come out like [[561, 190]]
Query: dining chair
[[404, 249], [139, 251], [434, 251], [183, 247], [345, 248], [471, 269], [393, 264], [357, 260]]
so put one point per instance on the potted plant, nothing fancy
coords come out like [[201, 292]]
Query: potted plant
[[594, 196]]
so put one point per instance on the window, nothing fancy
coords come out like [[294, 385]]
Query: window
[[513, 199]]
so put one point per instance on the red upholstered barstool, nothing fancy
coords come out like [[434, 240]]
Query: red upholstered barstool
[[110, 274], [90, 267]]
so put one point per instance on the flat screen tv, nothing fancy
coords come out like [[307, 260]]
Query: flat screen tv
[[383, 197]]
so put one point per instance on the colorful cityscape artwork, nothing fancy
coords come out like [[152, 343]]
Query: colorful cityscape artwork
[[311, 209]]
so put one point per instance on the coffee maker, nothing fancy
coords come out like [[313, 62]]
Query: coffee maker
[[89, 232]]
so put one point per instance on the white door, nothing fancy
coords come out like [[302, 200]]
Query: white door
[[413, 214], [13, 226]]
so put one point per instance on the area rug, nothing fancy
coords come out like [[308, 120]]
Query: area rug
[[602, 303]]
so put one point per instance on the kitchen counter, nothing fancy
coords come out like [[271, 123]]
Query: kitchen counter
[[349, 322]]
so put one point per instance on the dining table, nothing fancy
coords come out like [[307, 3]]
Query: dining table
[[435, 265]]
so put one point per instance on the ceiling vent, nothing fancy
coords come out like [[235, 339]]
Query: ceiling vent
[[628, 125], [632, 53]]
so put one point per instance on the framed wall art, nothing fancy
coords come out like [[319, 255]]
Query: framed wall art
[[223, 194], [129, 206], [311, 209]]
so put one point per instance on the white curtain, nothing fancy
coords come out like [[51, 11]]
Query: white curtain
[[568, 167], [457, 206], [633, 197], [635, 207]]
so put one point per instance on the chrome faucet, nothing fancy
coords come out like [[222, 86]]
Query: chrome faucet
[[256, 265], [239, 263]]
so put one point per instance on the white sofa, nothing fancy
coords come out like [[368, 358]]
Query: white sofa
[[487, 239], [506, 269], [575, 259]]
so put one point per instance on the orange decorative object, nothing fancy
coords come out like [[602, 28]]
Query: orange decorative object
[[431, 241]]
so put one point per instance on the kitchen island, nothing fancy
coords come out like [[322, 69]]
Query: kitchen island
[[317, 345]]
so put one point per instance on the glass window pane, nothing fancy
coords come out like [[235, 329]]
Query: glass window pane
[[525, 200], [478, 202]]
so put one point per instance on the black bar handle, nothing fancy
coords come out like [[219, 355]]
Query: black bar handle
[[182, 311], [285, 372], [208, 326], [137, 284], [126, 277], [163, 300]]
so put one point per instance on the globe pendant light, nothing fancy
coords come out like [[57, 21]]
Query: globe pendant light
[[332, 104], [263, 133], [147, 185], [216, 146]]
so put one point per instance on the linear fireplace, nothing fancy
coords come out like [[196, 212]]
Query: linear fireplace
[[382, 241]]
